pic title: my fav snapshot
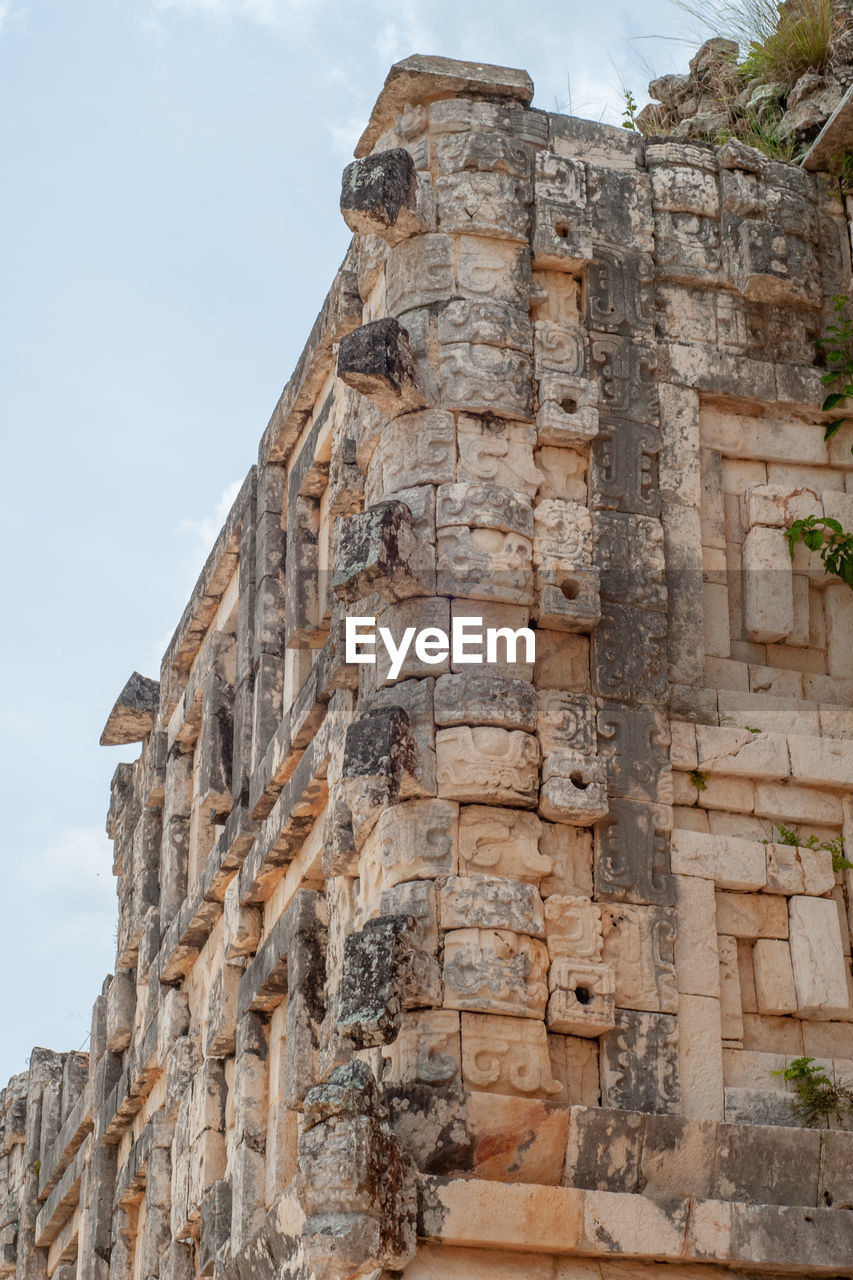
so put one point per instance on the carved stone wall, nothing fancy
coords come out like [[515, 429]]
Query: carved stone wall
[[472, 971]]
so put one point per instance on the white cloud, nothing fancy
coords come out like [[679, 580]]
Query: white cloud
[[346, 134], [73, 881], [265, 13]]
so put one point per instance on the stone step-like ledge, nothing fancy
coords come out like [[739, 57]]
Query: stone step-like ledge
[[794, 1240]]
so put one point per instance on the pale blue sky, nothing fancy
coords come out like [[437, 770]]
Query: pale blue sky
[[168, 230]]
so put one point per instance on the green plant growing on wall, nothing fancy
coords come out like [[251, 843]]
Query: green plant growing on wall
[[699, 779], [629, 111], [781, 41], [825, 536], [841, 168], [837, 345], [818, 1097], [780, 834]]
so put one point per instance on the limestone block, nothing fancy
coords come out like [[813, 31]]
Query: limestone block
[[639, 1063], [640, 943], [496, 765], [561, 233], [382, 765], [377, 361], [824, 762], [733, 751], [630, 554], [512, 650], [484, 506], [383, 974], [773, 1165], [729, 861], [417, 900], [573, 928], [565, 422], [838, 607], [774, 977], [378, 550], [582, 1000], [630, 654], [563, 534], [751, 915], [731, 1000], [569, 850], [426, 1051], [634, 742], [419, 271], [173, 1020], [798, 870], [574, 788], [379, 196], [121, 1009], [700, 1057], [495, 970], [495, 324], [567, 599], [412, 841], [501, 842], [132, 717], [416, 449], [793, 804], [476, 699], [768, 592], [495, 451], [484, 564], [506, 1055], [491, 902], [817, 956], [697, 962], [565, 721], [476, 378], [489, 270], [632, 854], [574, 1063], [242, 925], [776, 506], [485, 204], [422, 614], [221, 1012]]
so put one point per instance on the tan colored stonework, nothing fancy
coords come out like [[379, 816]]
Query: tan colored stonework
[[461, 970]]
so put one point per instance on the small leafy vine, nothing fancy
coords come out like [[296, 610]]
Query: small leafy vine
[[629, 111], [837, 345], [832, 543], [818, 1097]]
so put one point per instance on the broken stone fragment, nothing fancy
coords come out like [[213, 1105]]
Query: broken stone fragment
[[378, 550], [132, 717], [382, 975], [376, 360], [379, 196]]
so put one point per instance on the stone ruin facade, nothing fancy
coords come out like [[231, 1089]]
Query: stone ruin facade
[[488, 971]]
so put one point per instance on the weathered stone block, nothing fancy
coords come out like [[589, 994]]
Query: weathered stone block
[[817, 955], [639, 1063], [377, 361], [573, 927], [500, 766], [378, 551], [490, 902], [506, 1055], [379, 196], [632, 854], [582, 1000], [501, 842], [475, 699], [574, 789], [640, 944], [495, 971]]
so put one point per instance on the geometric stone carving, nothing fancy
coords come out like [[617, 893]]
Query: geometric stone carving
[[632, 854], [574, 788], [582, 1000], [495, 970], [501, 842], [506, 1055], [639, 1063], [498, 766], [640, 943], [573, 927], [634, 741]]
